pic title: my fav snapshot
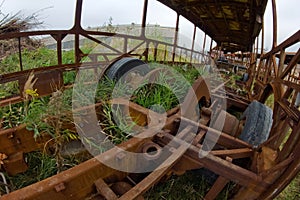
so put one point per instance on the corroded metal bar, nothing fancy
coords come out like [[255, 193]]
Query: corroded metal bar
[[175, 38]]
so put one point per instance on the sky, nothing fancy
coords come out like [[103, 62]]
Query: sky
[[59, 14]]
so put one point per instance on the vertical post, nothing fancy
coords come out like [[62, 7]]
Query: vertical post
[[193, 43], [144, 18], [262, 38], [77, 28], [155, 51], [78, 14], [204, 43], [146, 52], [274, 23], [77, 49], [59, 47], [175, 38], [20, 53], [210, 48], [125, 45], [256, 51], [165, 54]]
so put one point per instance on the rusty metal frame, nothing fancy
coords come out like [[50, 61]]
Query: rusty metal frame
[[256, 182]]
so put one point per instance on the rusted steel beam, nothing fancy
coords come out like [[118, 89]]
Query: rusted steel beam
[[193, 43], [289, 174], [105, 190], [33, 33], [163, 169], [262, 37], [78, 181], [215, 135], [19, 139], [78, 14], [285, 44], [216, 164], [218, 186], [234, 153], [15, 164], [204, 43], [290, 144], [199, 91], [144, 18], [291, 65], [20, 53], [175, 38], [274, 12]]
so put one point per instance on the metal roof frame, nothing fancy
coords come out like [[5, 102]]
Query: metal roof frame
[[232, 24]]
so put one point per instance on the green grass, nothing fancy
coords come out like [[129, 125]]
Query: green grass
[[292, 191], [270, 101], [12, 115], [191, 185], [41, 166], [164, 95]]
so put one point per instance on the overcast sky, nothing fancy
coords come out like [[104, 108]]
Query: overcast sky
[[59, 14]]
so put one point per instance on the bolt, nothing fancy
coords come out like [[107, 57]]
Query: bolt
[[160, 135], [120, 156], [10, 135], [172, 149], [81, 125], [60, 187], [177, 120]]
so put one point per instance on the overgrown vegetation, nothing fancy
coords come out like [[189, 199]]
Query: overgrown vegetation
[[44, 116], [50, 115], [291, 192], [191, 185], [41, 166], [17, 23]]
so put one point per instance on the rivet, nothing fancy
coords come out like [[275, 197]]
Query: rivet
[[60, 187]]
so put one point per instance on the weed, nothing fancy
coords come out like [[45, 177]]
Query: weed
[[292, 191], [41, 166], [11, 115], [191, 185]]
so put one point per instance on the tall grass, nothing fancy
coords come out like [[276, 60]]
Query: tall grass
[[166, 93], [41, 166], [191, 186]]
